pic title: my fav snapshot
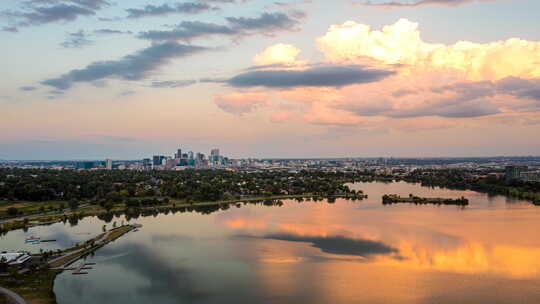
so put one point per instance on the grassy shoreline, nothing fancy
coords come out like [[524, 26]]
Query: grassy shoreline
[[95, 210], [37, 287]]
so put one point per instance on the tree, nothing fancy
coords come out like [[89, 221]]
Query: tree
[[12, 211], [104, 228], [3, 265], [73, 204]]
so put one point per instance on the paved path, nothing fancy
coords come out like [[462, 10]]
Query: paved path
[[15, 298], [100, 240]]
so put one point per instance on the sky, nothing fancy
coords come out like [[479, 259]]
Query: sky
[[94, 79]]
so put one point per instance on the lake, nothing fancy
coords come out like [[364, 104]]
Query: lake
[[315, 252]]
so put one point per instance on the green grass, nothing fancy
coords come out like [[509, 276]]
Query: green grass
[[28, 208], [34, 288]]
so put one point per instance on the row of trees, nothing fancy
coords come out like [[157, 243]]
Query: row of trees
[[109, 187], [468, 180]]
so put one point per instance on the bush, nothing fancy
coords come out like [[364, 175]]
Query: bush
[[12, 211]]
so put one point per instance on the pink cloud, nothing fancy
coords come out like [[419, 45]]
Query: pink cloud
[[241, 103]]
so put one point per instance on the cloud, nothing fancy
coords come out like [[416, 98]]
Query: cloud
[[396, 4], [38, 12], [266, 21], [28, 88], [136, 66], [278, 117], [401, 44], [240, 103], [326, 76], [112, 32], [409, 82], [166, 9], [10, 29], [267, 24], [77, 40], [277, 54], [188, 30], [173, 84]]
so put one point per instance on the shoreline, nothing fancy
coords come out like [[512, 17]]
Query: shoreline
[[43, 277], [11, 224]]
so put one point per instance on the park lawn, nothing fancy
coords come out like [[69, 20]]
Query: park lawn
[[30, 207]]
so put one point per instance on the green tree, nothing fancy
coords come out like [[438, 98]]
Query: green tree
[[73, 204], [12, 211]]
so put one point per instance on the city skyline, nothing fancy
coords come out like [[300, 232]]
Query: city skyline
[[289, 79]]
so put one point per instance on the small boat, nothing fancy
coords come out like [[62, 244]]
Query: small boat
[[32, 239]]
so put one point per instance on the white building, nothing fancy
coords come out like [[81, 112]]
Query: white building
[[108, 164], [15, 259]]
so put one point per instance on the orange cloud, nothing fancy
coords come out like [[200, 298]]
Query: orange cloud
[[240, 103], [401, 43], [278, 54]]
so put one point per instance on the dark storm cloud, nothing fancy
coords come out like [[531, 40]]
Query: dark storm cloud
[[398, 4], [328, 76], [339, 245], [166, 9], [267, 23], [136, 66]]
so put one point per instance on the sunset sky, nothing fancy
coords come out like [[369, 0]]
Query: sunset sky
[[93, 79]]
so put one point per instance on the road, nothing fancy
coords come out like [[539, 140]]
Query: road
[[15, 298]]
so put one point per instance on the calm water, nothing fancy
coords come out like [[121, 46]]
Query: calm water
[[347, 252]]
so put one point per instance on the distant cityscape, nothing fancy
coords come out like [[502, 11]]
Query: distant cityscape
[[511, 168]]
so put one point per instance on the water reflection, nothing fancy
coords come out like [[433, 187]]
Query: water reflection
[[315, 252]]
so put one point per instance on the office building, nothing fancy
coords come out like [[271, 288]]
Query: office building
[[108, 164], [158, 160], [514, 172]]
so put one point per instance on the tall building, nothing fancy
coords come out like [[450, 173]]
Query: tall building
[[178, 154], [108, 164], [85, 165], [158, 160], [531, 176], [514, 172], [214, 157]]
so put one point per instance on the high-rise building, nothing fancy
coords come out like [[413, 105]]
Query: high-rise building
[[531, 176], [514, 172], [178, 154], [158, 160], [108, 164], [214, 157], [190, 155], [85, 165]]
